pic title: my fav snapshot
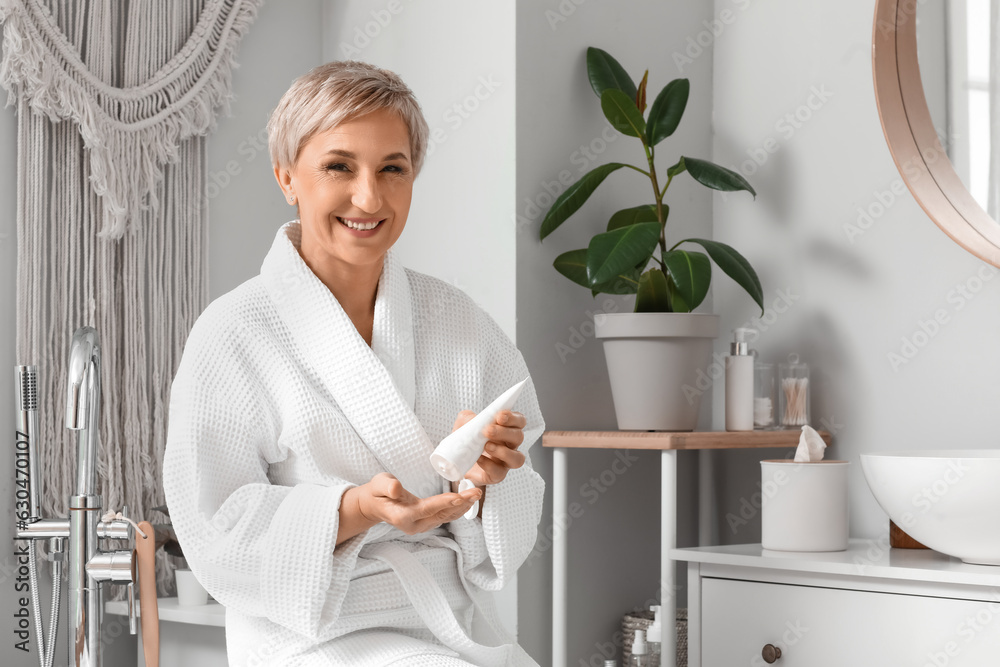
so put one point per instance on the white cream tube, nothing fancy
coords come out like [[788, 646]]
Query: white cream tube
[[458, 452]]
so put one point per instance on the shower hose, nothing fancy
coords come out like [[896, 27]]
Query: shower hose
[[45, 658]]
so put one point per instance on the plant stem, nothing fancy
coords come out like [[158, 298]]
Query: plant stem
[[669, 178], [656, 193], [641, 171]]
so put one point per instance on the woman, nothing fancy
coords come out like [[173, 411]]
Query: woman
[[309, 399]]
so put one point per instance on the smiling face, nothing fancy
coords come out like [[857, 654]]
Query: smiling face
[[353, 185]]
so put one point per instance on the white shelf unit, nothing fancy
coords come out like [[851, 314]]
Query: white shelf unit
[[213, 613], [868, 605], [669, 443]]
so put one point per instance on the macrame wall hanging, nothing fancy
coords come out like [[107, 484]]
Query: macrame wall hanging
[[114, 99]]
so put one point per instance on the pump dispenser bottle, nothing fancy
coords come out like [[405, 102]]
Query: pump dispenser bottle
[[640, 652], [739, 382], [654, 637]]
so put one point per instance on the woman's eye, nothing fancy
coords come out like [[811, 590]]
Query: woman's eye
[[393, 168], [337, 166]]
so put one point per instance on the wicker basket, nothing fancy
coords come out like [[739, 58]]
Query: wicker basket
[[641, 620]]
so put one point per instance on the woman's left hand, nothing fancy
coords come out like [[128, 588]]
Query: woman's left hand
[[504, 435]]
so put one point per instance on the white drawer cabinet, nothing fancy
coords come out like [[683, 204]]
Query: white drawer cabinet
[[865, 607]]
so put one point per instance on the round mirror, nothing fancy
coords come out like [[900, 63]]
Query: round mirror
[[931, 62]]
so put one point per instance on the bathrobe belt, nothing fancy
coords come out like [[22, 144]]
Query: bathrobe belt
[[430, 603]]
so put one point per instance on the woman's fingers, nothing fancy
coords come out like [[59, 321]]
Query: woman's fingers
[[504, 454], [386, 485], [511, 418], [511, 437], [492, 472], [410, 514], [508, 428], [445, 507], [463, 417]]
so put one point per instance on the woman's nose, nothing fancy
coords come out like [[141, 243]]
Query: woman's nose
[[366, 194]]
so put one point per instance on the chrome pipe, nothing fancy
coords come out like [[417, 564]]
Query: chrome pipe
[[84, 603], [83, 405], [43, 529], [119, 566], [83, 410]]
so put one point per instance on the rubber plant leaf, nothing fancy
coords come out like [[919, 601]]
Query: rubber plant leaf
[[667, 110], [678, 168], [624, 283], [573, 265], [640, 95], [631, 216], [621, 112], [677, 304], [735, 266], [691, 273], [612, 253], [605, 72], [652, 296], [575, 196], [713, 176]]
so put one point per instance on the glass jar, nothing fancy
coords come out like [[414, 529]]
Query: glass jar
[[793, 393], [764, 402]]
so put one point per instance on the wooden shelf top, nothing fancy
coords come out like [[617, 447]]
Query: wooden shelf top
[[674, 440]]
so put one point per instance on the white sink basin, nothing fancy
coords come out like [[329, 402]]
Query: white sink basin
[[947, 499]]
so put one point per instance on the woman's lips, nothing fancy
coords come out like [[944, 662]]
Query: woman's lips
[[361, 221]]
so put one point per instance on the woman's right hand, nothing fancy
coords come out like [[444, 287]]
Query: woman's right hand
[[386, 500]]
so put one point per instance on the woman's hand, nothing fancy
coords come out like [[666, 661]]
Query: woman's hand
[[386, 500], [505, 435]]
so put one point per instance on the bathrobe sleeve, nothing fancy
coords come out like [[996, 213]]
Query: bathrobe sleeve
[[494, 547], [262, 549]]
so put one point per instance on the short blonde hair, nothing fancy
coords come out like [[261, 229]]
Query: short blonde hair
[[336, 93]]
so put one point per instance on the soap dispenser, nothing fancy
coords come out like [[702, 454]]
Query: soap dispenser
[[640, 652], [739, 382], [654, 637]]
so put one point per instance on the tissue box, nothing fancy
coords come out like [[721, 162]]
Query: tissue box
[[804, 505]]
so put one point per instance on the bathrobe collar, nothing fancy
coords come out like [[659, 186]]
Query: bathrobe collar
[[374, 386]]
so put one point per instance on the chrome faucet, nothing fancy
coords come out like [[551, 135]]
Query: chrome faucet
[[89, 567]]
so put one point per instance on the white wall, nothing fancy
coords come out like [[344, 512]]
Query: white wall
[[246, 207], [458, 58], [613, 552], [861, 285], [244, 215]]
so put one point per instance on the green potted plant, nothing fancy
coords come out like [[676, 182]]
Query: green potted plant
[[651, 384]]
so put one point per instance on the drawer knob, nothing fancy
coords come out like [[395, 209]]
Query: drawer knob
[[770, 653]]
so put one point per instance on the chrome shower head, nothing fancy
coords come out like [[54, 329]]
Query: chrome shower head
[[26, 387], [26, 446]]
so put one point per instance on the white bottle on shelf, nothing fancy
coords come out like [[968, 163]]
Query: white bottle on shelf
[[640, 652], [739, 383], [654, 637]]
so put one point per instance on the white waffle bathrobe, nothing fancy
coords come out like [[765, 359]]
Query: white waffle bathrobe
[[279, 406]]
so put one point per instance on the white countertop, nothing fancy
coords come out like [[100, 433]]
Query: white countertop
[[863, 558], [212, 613]]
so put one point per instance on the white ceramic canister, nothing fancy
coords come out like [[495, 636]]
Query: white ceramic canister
[[190, 592], [804, 505]]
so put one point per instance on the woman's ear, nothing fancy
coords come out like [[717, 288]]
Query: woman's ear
[[284, 178]]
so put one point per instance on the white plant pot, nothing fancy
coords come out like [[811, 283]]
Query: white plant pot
[[658, 364], [190, 592]]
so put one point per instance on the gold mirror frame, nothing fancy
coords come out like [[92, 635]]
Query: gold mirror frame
[[906, 122]]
